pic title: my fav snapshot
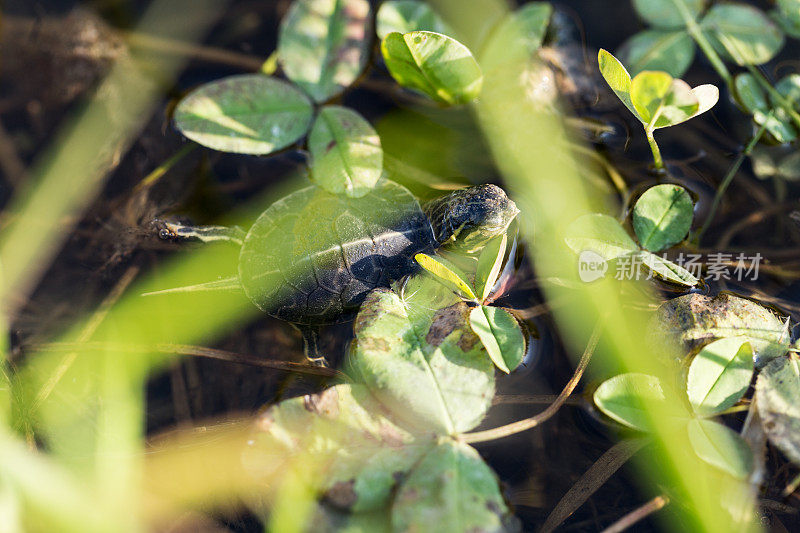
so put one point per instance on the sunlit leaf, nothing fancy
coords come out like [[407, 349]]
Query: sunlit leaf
[[670, 51], [696, 319], [451, 489], [660, 98], [778, 401], [755, 101], [617, 78], [719, 375], [440, 382], [666, 269], [489, 264], [665, 14], [434, 64], [446, 273], [601, 234], [662, 216], [323, 45], [356, 453], [246, 114], [404, 16], [721, 447], [500, 334], [625, 398], [346, 152], [743, 33]]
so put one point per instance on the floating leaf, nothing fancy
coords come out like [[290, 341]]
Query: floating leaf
[[662, 216], [721, 447], [323, 45], [500, 334], [666, 269], [445, 273], [441, 382], [489, 264], [357, 453], [778, 401], [752, 96], [601, 234], [720, 375], [346, 152], [665, 14], [625, 397], [517, 38], [696, 319], [670, 51], [617, 78], [743, 32], [435, 64], [451, 489], [404, 16], [246, 114]]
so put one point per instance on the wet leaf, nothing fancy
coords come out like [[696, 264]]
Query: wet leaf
[[665, 14], [601, 234], [617, 78], [517, 38], [696, 319], [440, 382], [323, 45], [720, 375], [346, 152], [438, 268], [666, 269], [756, 102], [246, 114], [500, 334], [721, 447], [356, 452], [452, 488], [489, 264], [778, 401], [743, 33], [670, 51], [434, 64], [625, 396], [404, 16], [662, 216]]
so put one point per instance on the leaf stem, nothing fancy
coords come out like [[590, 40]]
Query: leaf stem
[[697, 34], [657, 161], [728, 179], [528, 423], [787, 105]]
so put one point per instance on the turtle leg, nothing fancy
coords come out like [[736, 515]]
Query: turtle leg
[[176, 230], [311, 345]]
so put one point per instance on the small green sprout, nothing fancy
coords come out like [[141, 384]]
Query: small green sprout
[[657, 99], [497, 328]]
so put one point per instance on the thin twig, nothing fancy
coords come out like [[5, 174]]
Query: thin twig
[[188, 349], [637, 515], [528, 423], [534, 399]]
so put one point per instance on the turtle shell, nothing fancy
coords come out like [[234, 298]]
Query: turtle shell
[[312, 255]]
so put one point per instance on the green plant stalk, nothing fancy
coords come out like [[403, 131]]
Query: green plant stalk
[[727, 181], [787, 105], [697, 34], [649, 129]]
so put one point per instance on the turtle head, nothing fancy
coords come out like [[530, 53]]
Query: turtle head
[[466, 219]]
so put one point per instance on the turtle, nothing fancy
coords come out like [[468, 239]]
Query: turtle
[[312, 257]]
